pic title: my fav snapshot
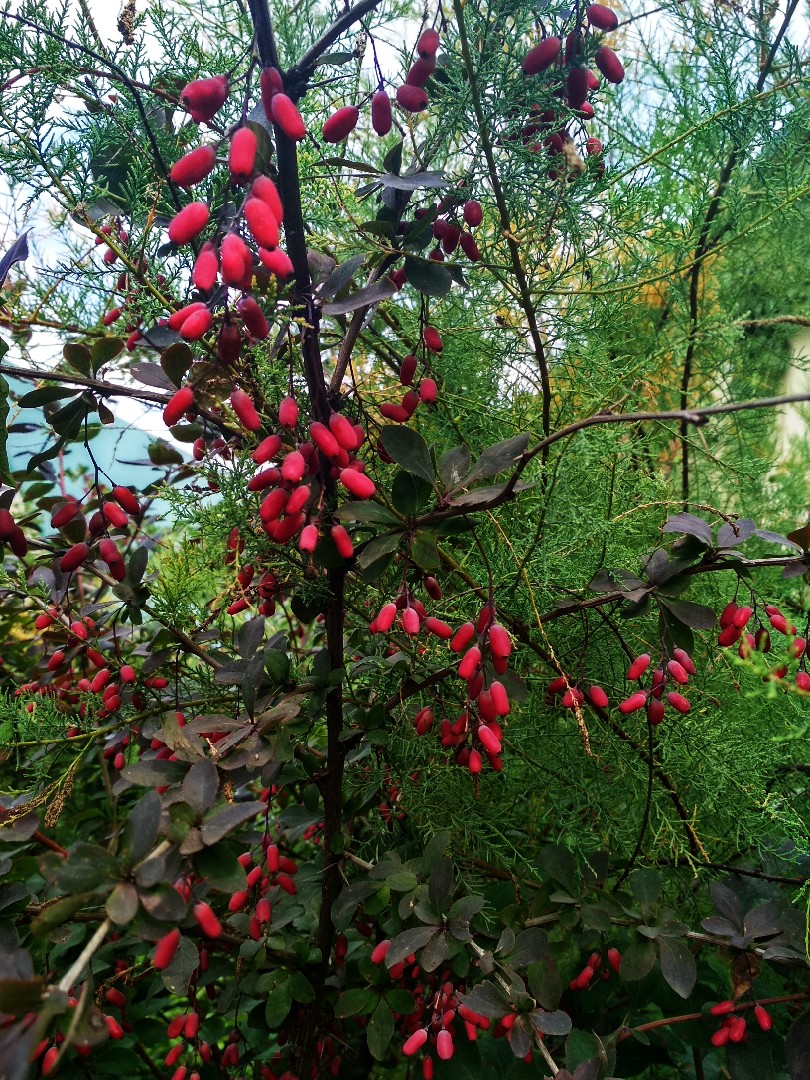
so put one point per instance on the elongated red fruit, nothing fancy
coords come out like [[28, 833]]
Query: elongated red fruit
[[412, 98], [262, 223], [235, 258], [206, 268], [245, 410], [577, 86], [463, 636], [242, 155], [609, 64], [207, 920], [678, 672], [428, 44], [194, 166], [473, 213], [420, 72], [438, 627], [343, 431], [263, 188], [277, 262], [408, 370], [499, 641], [253, 317], [381, 115], [60, 518], [294, 466], [324, 439], [638, 667], [73, 558], [205, 97], [432, 339], [343, 542], [267, 449], [189, 223], [597, 697], [341, 124], [115, 515], [469, 664], [308, 540], [271, 84], [489, 740], [177, 318], [499, 698], [601, 17], [415, 1043], [679, 702], [542, 56], [197, 325], [357, 483], [655, 711], [287, 116], [288, 412], [633, 703], [179, 404]]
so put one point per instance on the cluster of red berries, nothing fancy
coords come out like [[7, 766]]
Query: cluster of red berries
[[734, 1027], [411, 96], [597, 965], [734, 621], [570, 59], [476, 735], [425, 393]]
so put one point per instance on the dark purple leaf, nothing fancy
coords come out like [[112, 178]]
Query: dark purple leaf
[[520, 1040], [729, 536], [728, 904], [766, 920], [18, 252], [696, 616], [214, 828], [407, 942], [677, 965], [372, 294], [691, 525], [487, 1000], [551, 1023]]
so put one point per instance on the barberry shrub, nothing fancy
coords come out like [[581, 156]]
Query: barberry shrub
[[433, 697]]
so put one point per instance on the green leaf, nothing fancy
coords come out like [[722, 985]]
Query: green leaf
[[408, 449], [68, 420], [401, 1001], [497, 459], [646, 887], [424, 551], [454, 465], [367, 513], [380, 1031], [105, 349], [45, 395], [178, 974], [371, 294], [677, 965], [79, 358], [355, 1001], [375, 549], [301, 988], [545, 983], [278, 1004], [487, 1000], [199, 788], [142, 826], [409, 493], [176, 360], [122, 904], [427, 276], [638, 960], [220, 867], [226, 821], [407, 942]]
